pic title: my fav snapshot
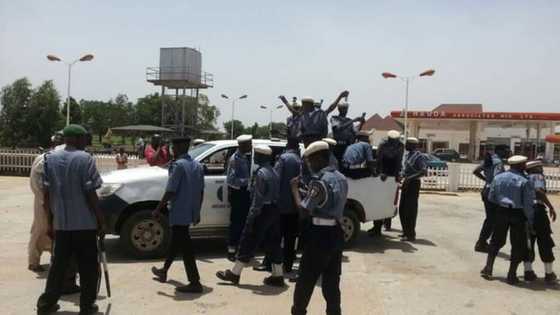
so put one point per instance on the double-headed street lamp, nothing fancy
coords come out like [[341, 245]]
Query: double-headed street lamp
[[271, 110], [233, 109], [87, 57], [407, 80]]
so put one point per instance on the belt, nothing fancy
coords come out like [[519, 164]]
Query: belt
[[323, 222], [356, 166]]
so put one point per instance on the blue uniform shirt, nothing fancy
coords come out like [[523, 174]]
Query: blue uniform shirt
[[333, 161], [512, 189], [238, 171], [69, 175], [415, 162], [343, 134], [293, 124], [314, 123], [358, 153], [490, 171], [539, 182], [288, 166], [186, 180], [265, 188], [328, 191]]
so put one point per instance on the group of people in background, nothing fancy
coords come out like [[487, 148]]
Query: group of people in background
[[515, 200]]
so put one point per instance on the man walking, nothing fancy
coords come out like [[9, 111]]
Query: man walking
[[542, 228], [322, 254], [238, 174], [70, 180], [263, 219], [414, 168], [487, 170], [185, 190], [514, 194]]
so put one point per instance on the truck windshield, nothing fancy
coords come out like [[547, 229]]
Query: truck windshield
[[199, 149]]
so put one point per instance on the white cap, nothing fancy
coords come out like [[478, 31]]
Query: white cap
[[532, 164], [393, 134], [244, 138], [365, 133], [52, 138], [412, 140], [343, 104], [296, 104], [517, 159], [198, 141], [315, 147], [263, 149], [308, 99], [330, 141]]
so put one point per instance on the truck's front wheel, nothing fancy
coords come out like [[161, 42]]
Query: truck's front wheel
[[142, 236], [350, 226]]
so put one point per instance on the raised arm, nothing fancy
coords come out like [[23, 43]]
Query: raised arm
[[335, 103], [285, 102]]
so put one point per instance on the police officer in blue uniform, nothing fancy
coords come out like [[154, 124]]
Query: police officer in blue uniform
[[322, 254], [70, 180], [414, 168], [388, 164], [514, 194], [358, 160], [542, 228], [333, 161], [314, 125], [344, 129], [293, 121], [262, 222], [185, 191], [238, 174], [487, 170]]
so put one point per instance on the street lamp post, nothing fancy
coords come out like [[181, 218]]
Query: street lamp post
[[87, 57], [270, 123], [233, 109], [407, 80]]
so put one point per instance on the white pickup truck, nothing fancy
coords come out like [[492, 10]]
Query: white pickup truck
[[127, 198]]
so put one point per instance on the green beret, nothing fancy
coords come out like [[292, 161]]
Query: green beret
[[74, 131]]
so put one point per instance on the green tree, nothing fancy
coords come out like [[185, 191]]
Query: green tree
[[148, 110], [96, 116], [43, 116], [75, 111], [238, 128], [14, 100]]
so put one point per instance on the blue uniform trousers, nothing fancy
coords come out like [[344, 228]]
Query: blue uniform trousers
[[240, 201], [264, 226], [513, 220], [543, 237]]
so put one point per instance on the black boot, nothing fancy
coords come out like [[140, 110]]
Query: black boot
[[512, 274], [486, 272], [274, 281], [88, 310], [481, 247], [193, 287], [48, 309], [530, 276], [227, 275], [161, 274], [550, 278]]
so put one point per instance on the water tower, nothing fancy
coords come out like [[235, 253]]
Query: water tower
[[180, 69]]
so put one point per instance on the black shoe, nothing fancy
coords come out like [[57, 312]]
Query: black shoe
[[92, 309], [36, 268], [231, 257], [387, 227], [190, 288], [374, 232], [73, 289], [274, 281], [486, 273], [550, 278], [481, 247], [512, 279], [530, 276], [227, 275], [44, 310], [263, 267], [161, 274], [408, 239]]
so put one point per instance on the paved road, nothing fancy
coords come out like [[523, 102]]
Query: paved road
[[436, 275]]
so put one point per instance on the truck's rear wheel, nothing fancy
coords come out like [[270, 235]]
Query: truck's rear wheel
[[350, 226], [142, 236]]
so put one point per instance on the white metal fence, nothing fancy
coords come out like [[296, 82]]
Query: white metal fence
[[459, 176], [19, 161]]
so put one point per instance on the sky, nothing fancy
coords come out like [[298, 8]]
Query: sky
[[503, 54]]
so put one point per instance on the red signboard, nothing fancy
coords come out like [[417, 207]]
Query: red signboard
[[477, 116]]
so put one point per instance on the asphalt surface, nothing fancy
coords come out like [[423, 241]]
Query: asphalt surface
[[439, 274]]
